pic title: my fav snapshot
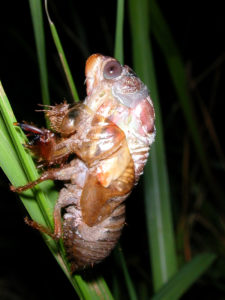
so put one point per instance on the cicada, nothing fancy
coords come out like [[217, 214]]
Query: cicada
[[98, 148]]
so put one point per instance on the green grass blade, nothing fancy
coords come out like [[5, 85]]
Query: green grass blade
[[118, 54], [9, 162], [62, 57], [186, 276], [118, 51], [100, 289], [24, 159], [37, 19], [157, 195], [129, 284]]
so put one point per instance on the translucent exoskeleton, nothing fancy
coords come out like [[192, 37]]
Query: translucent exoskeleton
[[99, 149]]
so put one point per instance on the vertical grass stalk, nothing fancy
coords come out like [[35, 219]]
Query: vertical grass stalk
[[38, 26], [157, 192], [118, 50], [62, 56], [118, 54]]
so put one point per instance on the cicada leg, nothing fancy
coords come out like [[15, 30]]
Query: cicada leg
[[66, 196], [40, 227], [64, 173], [45, 176]]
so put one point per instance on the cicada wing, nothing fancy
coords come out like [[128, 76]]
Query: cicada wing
[[102, 140], [99, 201], [112, 173], [93, 198]]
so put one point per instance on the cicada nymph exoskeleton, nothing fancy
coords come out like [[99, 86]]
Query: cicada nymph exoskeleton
[[99, 149]]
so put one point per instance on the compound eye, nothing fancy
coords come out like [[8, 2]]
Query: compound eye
[[112, 70]]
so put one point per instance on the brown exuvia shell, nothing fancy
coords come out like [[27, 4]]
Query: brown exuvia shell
[[107, 138]]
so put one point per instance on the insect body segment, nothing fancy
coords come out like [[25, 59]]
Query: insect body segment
[[98, 148]]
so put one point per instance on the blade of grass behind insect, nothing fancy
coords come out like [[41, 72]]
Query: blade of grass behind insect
[[186, 276], [129, 284], [118, 50], [38, 26], [118, 54], [62, 56], [157, 194]]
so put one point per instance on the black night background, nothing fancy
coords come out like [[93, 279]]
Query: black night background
[[27, 268]]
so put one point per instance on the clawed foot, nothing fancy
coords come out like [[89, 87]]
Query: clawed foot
[[16, 189], [20, 189]]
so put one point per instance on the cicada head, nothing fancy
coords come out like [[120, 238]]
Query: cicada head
[[117, 93]]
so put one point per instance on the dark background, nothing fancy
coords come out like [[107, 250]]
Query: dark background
[[27, 269]]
